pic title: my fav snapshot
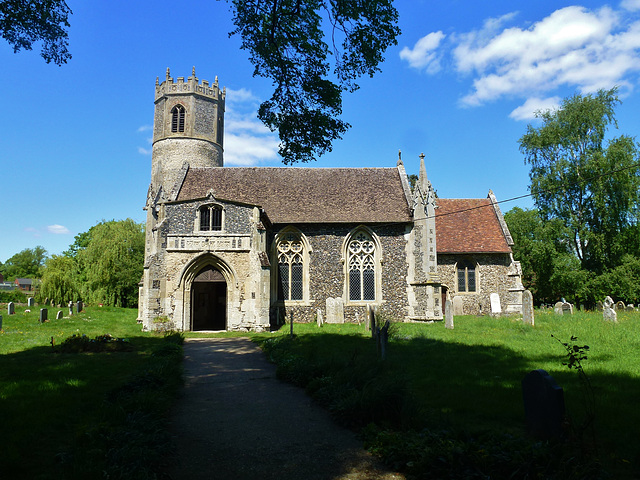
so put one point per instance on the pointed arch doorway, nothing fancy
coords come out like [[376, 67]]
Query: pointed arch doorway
[[209, 300]]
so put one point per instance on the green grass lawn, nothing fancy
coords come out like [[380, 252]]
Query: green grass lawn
[[63, 414], [470, 377]]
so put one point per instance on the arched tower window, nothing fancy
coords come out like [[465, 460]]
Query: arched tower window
[[210, 218], [177, 119], [362, 267], [466, 276]]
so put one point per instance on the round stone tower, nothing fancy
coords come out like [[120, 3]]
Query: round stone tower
[[188, 127]]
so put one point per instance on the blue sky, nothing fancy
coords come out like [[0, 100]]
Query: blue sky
[[460, 86]]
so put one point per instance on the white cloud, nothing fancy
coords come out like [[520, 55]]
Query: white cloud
[[58, 229], [144, 151], [573, 47], [423, 56], [247, 150], [631, 5], [145, 128], [533, 105]]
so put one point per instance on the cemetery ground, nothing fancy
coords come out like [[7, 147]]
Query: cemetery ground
[[444, 403]]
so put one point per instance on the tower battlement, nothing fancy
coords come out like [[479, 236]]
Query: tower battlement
[[180, 87]]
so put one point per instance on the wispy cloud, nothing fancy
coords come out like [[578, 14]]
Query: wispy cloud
[[34, 231], [145, 128], [572, 47], [58, 229], [144, 151]]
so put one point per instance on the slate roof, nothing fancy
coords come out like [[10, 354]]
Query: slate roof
[[306, 195], [468, 226]]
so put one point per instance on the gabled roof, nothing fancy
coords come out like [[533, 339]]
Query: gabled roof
[[470, 225], [306, 195]]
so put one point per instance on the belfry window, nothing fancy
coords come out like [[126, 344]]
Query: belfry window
[[362, 267], [210, 218], [466, 276], [290, 267], [177, 119]]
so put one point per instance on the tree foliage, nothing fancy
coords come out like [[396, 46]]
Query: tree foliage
[[110, 265], [22, 23], [592, 187], [285, 41], [26, 264], [59, 281]]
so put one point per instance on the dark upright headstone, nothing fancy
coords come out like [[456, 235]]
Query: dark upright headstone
[[11, 308], [543, 405], [44, 313], [79, 306]]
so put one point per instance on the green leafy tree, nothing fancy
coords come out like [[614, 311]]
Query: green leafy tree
[[544, 248], [59, 280], [285, 41], [112, 262], [590, 186], [26, 264], [22, 23]]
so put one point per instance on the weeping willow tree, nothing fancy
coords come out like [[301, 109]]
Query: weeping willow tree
[[59, 280]]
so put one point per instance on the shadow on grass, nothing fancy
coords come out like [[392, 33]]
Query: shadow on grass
[[471, 388], [59, 410]]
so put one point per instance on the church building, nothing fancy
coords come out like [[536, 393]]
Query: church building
[[244, 248]]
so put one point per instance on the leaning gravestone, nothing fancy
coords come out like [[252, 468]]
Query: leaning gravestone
[[44, 313], [567, 308], [59, 315], [11, 308], [557, 308], [527, 308], [335, 310], [448, 314], [31, 302], [608, 312], [458, 306], [543, 405], [495, 304], [630, 308]]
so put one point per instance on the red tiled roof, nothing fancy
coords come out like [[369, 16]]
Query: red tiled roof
[[468, 226], [306, 195]]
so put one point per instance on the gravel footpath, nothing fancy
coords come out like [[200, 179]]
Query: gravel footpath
[[236, 420]]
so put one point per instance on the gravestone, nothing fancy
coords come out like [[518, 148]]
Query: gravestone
[[59, 315], [630, 308], [543, 405], [44, 313], [495, 304], [11, 308], [458, 308], [0, 322], [448, 314], [31, 302], [620, 305], [319, 317], [335, 310], [557, 308], [608, 312], [79, 306], [70, 308], [527, 308], [599, 305], [567, 308]]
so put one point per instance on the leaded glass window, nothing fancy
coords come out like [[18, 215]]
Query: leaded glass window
[[466, 277], [290, 267], [177, 119], [210, 218], [362, 268]]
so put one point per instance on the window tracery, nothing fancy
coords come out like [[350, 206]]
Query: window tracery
[[290, 267], [362, 267], [177, 119]]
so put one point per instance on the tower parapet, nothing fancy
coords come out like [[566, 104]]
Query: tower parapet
[[192, 85]]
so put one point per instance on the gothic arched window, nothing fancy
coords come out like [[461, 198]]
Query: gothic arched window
[[290, 250], [362, 267], [210, 218], [466, 276], [177, 119]]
